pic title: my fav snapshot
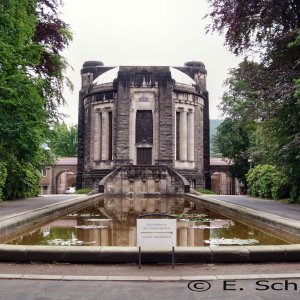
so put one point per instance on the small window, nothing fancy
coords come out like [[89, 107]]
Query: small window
[[45, 187], [44, 172]]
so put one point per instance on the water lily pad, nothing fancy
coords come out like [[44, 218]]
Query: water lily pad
[[208, 227], [231, 242], [70, 242], [98, 220], [216, 224], [191, 217], [91, 226]]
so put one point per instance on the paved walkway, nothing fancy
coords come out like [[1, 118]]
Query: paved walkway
[[112, 290], [147, 270], [289, 211], [10, 209], [13, 208]]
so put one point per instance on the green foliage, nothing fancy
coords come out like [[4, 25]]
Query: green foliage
[[266, 181], [252, 23], [205, 191], [3, 175], [27, 90], [265, 95], [54, 35], [83, 191], [233, 141], [22, 181], [63, 140], [213, 125]]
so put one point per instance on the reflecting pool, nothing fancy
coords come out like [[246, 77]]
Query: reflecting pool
[[114, 224]]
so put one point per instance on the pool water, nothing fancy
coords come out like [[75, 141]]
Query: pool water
[[114, 224]]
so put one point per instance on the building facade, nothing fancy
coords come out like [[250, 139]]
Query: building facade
[[143, 115], [59, 176]]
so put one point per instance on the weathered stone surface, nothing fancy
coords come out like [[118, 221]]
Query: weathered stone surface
[[230, 254], [195, 254], [292, 252], [150, 88], [266, 253], [119, 254], [148, 181], [45, 254], [82, 254], [13, 253]]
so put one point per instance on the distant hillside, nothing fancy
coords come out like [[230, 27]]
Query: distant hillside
[[213, 130]]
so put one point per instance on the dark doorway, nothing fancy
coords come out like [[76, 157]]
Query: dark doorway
[[144, 156], [144, 127]]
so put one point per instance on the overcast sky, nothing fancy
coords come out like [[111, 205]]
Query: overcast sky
[[144, 32]]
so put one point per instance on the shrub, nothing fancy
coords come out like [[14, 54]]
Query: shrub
[[205, 191], [83, 191], [266, 181], [22, 181]]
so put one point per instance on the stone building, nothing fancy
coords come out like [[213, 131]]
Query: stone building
[[59, 176], [143, 115]]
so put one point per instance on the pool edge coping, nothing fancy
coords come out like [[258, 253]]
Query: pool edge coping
[[109, 254], [287, 226]]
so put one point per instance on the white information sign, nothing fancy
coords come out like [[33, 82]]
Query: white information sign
[[156, 232]]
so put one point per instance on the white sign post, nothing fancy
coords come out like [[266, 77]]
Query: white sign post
[[156, 233]]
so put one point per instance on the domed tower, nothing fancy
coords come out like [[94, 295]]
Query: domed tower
[[142, 115], [197, 71]]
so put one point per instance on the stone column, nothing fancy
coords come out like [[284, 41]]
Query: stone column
[[183, 135], [190, 237], [105, 135], [104, 237], [183, 237], [191, 146], [132, 149], [132, 237], [97, 135]]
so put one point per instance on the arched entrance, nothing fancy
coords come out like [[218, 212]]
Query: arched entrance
[[221, 183], [64, 180]]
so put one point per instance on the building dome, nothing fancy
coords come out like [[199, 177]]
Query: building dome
[[109, 76], [93, 63], [195, 64], [181, 78]]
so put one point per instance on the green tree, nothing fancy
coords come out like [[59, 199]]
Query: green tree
[[25, 108], [265, 93], [3, 174], [54, 35], [233, 142], [63, 140]]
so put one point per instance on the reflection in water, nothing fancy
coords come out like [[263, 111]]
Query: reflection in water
[[114, 224]]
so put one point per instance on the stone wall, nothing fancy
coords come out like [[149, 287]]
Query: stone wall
[[121, 121], [143, 181]]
